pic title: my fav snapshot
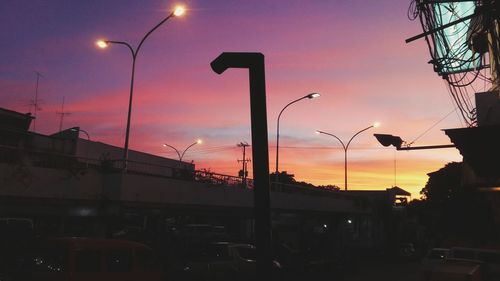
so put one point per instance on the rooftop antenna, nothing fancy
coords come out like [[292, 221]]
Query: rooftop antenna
[[62, 113], [35, 100]]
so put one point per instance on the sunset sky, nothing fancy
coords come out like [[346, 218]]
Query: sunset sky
[[352, 52]]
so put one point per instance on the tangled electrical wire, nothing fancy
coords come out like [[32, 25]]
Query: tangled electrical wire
[[459, 51]]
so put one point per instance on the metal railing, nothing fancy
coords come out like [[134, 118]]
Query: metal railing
[[39, 158]]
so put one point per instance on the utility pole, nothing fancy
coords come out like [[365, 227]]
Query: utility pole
[[35, 101], [244, 161], [62, 113]]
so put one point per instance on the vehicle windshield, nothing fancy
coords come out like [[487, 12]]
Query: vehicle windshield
[[247, 253], [436, 254]]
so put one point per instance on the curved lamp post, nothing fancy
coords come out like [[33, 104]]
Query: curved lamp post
[[77, 129], [178, 11], [181, 155], [309, 96], [346, 147]]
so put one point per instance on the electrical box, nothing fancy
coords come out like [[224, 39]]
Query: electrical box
[[488, 108]]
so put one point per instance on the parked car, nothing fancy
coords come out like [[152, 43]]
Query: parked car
[[222, 261], [75, 259], [490, 258], [433, 258], [405, 251], [458, 270]]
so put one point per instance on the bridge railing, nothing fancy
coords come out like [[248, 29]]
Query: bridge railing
[[48, 159]]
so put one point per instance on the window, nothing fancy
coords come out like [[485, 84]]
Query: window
[[463, 254], [119, 260], [437, 254], [492, 257], [88, 261]]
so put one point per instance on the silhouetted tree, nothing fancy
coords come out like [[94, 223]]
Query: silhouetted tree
[[283, 177], [443, 184], [329, 187], [454, 212]]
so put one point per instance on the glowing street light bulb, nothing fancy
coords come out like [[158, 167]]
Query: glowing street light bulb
[[102, 44], [199, 141], [179, 11], [376, 124], [313, 95]]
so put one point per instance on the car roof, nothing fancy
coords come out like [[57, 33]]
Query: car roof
[[77, 242], [440, 249], [232, 244], [473, 249]]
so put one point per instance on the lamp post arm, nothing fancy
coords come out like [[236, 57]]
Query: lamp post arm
[[178, 154], [332, 135], [290, 103], [345, 155], [151, 31], [86, 133], [125, 44], [348, 143], [180, 158], [278, 131]]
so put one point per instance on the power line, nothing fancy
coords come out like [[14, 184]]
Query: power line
[[439, 121], [207, 150], [333, 147]]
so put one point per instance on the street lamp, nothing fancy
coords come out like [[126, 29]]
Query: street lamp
[[309, 96], [396, 141], [77, 129], [178, 11], [375, 125], [181, 155]]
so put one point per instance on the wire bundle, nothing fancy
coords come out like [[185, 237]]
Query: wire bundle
[[455, 52]]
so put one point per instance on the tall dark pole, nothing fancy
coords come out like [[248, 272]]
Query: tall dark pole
[[77, 129], [35, 101], [103, 44], [309, 96], [345, 155], [255, 64], [345, 168], [345, 147], [129, 112]]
